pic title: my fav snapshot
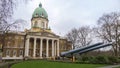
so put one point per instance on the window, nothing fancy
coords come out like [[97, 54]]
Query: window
[[42, 15], [35, 24], [8, 44], [21, 52], [36, 15], [14, 53], [47, 25], [42, 24], [8, 52]]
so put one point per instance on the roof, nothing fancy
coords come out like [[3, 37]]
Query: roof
[[40, 12]]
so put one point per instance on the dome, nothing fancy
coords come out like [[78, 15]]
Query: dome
[[40, 12]]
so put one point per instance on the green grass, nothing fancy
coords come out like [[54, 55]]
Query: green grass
[[117, 67], [48, 64]]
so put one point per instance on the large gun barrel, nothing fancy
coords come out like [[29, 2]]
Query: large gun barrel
[[79, 49], [94, 48]]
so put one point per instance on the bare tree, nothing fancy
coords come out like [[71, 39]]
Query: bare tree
[[84, 36], [108, 30], [72, 36], [8, 28], [80, 37], [6, 11]]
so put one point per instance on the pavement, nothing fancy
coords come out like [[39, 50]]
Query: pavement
[[111, 66], [8, 64]]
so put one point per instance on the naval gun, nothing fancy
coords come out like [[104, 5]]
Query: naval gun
[[79, 49]]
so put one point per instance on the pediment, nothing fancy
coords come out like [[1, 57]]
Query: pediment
[[44, 34], [49, 34]]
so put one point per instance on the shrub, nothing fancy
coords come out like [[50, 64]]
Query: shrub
[[99, 59], [113, 59], [102, 59], [85, 58]]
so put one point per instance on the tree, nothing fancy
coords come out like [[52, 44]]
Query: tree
[[72, 36], [84, 35], [108, 30], [80, 37], [6, 11], [8, 28]]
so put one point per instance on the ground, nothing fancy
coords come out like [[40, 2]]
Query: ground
[[117, 67], [51, 64]]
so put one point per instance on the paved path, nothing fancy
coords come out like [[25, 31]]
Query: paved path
[[7, 64], [111, 66]]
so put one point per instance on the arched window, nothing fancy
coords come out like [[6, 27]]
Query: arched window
[[47, 25], [36, 15], [21, 52], [42, 15], [35, 24], [8, 53], [42, 24], [14, 53]]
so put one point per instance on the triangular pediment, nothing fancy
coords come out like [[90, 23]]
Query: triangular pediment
[[44, 34]]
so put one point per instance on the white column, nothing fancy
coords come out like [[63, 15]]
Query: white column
[[47, 48], [27, 47], [41, 46], [34, 50], [57, 47], [53, 48]]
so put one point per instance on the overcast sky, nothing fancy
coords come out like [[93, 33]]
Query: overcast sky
[[67, 14]]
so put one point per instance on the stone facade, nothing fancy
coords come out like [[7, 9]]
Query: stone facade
[[33, 45], [39, 42]]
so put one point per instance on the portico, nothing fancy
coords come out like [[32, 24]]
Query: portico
[[42, 47]]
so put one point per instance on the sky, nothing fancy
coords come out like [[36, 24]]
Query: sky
[[64, 15]]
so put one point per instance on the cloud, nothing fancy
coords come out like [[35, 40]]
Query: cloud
[[64, 15]]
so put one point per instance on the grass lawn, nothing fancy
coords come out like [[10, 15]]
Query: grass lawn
[[117, 67], [48, 64]]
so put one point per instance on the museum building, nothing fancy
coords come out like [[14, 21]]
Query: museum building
[[38, 42]]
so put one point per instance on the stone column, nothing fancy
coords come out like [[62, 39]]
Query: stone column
[[27, 47], [47, 55], [41, 46], [34, 50], [53, 48], [57, 47]]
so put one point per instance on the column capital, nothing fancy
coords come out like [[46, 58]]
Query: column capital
[[53, 39], [27, 37], [35, 38], [41, 38], [47, 39], [57, 39]]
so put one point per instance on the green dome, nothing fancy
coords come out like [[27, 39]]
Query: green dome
[[40, 12]]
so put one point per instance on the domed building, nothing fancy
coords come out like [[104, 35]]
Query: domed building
[[40, 20], [38, 42]]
